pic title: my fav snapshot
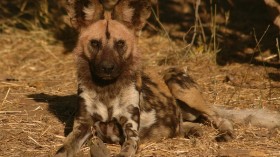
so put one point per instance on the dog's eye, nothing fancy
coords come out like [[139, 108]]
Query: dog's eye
[[95, 43], [120, 44]]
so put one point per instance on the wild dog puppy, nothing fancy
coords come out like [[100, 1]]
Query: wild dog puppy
[[118, 101]]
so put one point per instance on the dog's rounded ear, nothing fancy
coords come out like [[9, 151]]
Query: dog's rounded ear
[[132, 13], [84, 12]]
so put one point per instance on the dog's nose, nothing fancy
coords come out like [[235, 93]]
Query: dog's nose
[[107, 67]]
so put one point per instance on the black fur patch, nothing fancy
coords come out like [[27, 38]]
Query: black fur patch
[[108, 35], [179, 77]]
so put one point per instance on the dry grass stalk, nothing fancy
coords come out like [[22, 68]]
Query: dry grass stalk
[[5, 97], [197, 4], [260, 51]]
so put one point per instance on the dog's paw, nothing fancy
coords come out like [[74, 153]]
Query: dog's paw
[[122, 154], [193, 132], [61, 152], [225, 131], [98, 148], [225, 137]]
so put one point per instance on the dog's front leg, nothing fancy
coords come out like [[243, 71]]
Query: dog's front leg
[[82, 130], [128, 116], [130, 128]]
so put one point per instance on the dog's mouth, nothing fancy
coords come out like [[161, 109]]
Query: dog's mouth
[[102, 76], [105, 76]]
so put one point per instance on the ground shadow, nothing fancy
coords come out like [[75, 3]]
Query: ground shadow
[[62, 28], [50, 15], [274, 76], [63, 107]]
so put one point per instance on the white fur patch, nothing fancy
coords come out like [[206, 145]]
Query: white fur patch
[[82, 140], [117, 110], [129, 96], [147, 119], [115, 102], [89, 12], [115, 138], [127, 14], [93, 105], [101, 110]]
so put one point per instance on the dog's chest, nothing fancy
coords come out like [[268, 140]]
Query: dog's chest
[[106, 107], [107, 111]]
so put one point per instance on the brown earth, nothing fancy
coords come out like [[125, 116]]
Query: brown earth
[[38, 87]]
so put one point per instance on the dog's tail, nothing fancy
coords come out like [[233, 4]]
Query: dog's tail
[[256, 117]]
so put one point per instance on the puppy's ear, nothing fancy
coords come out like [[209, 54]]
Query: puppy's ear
[[132, 13], [84, 12]]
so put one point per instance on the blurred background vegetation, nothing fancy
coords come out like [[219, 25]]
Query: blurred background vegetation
[[30, 14], [39, 15]]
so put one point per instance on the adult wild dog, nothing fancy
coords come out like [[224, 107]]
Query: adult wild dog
[[119, 102]]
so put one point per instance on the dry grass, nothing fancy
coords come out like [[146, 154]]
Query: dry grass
[[38, 86]]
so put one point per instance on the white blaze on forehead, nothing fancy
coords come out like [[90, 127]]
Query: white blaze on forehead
[[93, 105], [147, 119]]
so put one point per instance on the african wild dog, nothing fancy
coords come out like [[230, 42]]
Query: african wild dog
[[120, 102], [116, 96]]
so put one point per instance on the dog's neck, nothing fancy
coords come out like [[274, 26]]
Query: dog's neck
[[110, 88]]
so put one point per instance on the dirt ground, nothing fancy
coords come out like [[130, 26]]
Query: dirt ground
[[38, 95]]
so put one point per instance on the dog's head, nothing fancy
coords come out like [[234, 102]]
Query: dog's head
[[109, 47], [108, 34]]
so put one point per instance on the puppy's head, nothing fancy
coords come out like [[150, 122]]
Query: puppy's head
[[108, 34]]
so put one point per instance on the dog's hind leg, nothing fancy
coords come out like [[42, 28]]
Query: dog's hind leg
[[186, 91]]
